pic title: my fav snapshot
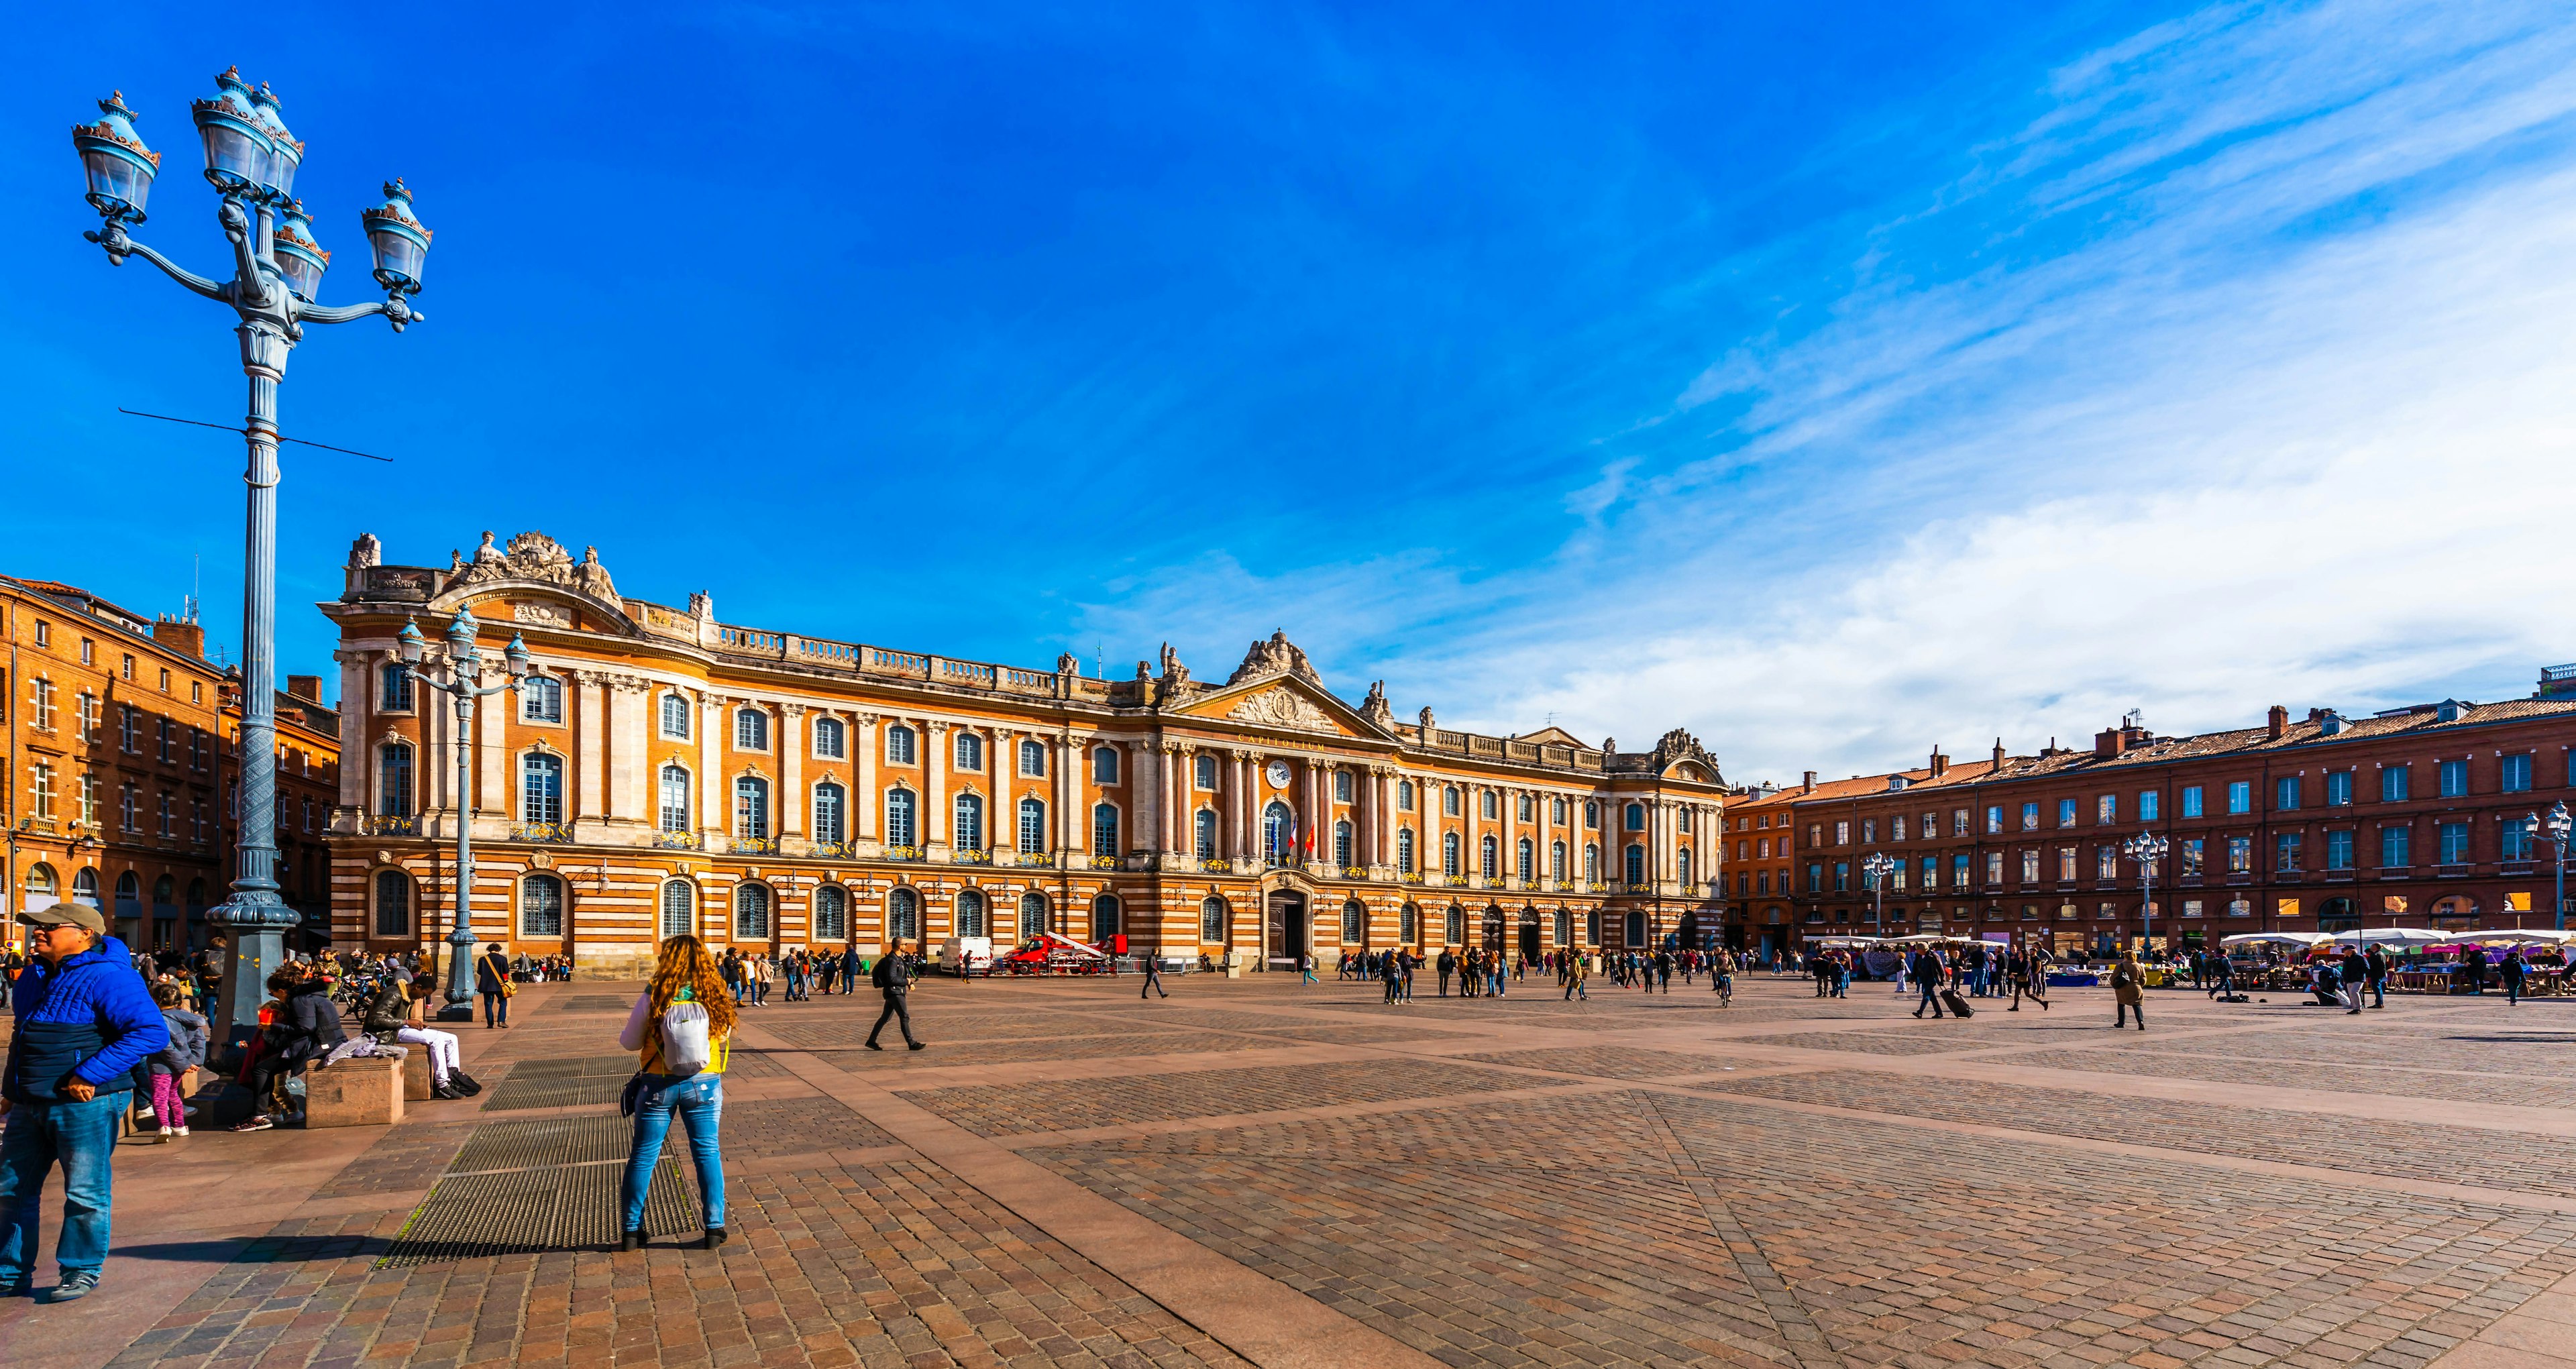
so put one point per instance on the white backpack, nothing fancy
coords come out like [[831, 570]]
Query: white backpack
[[685, 1047]]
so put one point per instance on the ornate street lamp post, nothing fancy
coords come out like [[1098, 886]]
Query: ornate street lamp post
[[251, 160], [2146, 848], [2556, 827], [1874, 868], [459, 675]]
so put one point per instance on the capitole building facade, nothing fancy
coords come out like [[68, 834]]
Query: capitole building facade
[[666, 772]]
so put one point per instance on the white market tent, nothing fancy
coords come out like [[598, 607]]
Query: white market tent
[[2395, 936], [2300, 939]]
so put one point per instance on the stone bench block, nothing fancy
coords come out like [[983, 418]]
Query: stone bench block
[[416, 1078], [362, 1091]]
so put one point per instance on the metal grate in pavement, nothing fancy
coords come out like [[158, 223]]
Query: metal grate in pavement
[[536, 1210], [595, 1002], [515, 1092], [547, 1141], [574, 1067]]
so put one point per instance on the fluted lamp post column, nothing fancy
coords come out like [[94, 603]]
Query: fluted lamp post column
[[2146, 848], [2555, 827], [458, 674], [1874, 868], [251, 161]]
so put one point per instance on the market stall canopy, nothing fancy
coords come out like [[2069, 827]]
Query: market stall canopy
[[2304, 939], [2392, 936], [2545, 938]]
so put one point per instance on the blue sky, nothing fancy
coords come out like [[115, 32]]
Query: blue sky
[[1832, 382]]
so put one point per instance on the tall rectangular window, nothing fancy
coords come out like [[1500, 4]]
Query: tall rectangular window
[[1994, 867], [2393, 843], [2240, 797], [2148, 804], [2240, 855], [2030, 817], [1815, 878], [1994, 818], [2455, 780], [2516, 771], [2106, 808], [2517, 839], [2192, 855], [2338, 789], [2395, 784], [1842, 875], [1959, 868], [1868, 830], [2285, 852], [2191, 801], [2066, 812], [2339, 850], [2066, 863], [2455, 843], [2030, 867], [2285, 793], [1842, 834]]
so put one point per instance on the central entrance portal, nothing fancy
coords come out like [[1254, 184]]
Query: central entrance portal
[[1285, 934], [1529, 935]]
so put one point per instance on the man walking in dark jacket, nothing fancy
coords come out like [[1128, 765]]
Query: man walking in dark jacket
[[894, 976], [1927, 972], [85, 1020]]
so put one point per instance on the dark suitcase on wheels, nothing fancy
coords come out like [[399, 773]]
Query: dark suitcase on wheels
[[1957, 1004]]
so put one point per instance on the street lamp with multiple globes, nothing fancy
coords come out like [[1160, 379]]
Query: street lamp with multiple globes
[[2556, 827], [251, 160], [1874, 868], [459, 675], [2146, 848]]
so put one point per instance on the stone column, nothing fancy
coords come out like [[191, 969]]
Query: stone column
[[589, 721], [1069, 817], [792, 810], [628, 720], [711, 780], [357, 750], [492, 790], [1141, 811]]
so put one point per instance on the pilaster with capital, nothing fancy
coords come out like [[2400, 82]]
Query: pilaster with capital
[[588, 719], [791, 785], [868, 802], [711, 781], [936, 820]]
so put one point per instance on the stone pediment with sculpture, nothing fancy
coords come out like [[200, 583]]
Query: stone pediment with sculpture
[[1274, 687], [530, 559]]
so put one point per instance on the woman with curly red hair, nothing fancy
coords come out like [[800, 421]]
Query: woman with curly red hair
[[684, 972]]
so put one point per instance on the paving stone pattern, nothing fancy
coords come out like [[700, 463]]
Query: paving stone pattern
[[2511, 1090], [1615, 1062], [1059, 1105]]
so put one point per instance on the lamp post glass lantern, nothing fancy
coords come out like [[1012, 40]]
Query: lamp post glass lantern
[[1874, 868], [2146, 848], [459, 676], [277, 267], [2556, 827]]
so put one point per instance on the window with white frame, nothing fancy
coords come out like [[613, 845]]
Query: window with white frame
[[970, 751], [541, 789], [674, 804], [1404, 855], [1104, 828], [679, 908], [900, 742], [1354, 922], [1104, 765], [750, 729], [1343, 855], [1449, 800], [393, 780], [1203, 834], [832, 913], [751, 912], [903, 915], [751, 808], [1527, 859], [831, 813], [541, 699], [1556, 861], [1490, 804], [901, 825], [1404, 795], [1032, 826], [1212, 919], [675, 717], [1341, 786], [1203, 772], [1033, 914], [1449, 854], [1033, 759], [969, 825], [970, 912], [393, 688], [541, 906], [831, 739], [1591, 863], [1488, 857]]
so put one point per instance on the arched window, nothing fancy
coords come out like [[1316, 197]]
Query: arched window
[[969, 834], [903, 915], [1564, 927], [1683, 858], [1204, 769], [1635, 817], [751, 808], [1449, 800], [1278, 834], [393, 688], [1033, 913], [900, 828], [1033, 759], [1556, 861], [1203, 834], [1489, 858], [1527, 807], [1032, 826], [1104, 828], [165, 893], [1488, 803], [1404, 795], [1104, 765], [1636, 928], [1341, 786], [1342, 844], [393, 780], [1636, 863], [750, 729], [1449, 854], [751, 912], [1355, 923], [674, 805], [970, 751], [675, 716], [40, 879], [1457, 928], [831, 806], [1556, 812], [831, 740], [1408, 924], [1212, 920], [541, 789], [393, 903], [1104, 917], [1592, 928], [1591, 863], [899, 745], [970, 913], [1591, 813], [1681, 819], [541, 699], [1404, 851], [1526, 861], [679, 908], [541, 906], [832, 913]]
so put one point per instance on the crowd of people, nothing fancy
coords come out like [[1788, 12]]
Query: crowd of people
[[1486, 972]]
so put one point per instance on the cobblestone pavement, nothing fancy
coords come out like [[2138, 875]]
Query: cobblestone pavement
[[1277, 1173]]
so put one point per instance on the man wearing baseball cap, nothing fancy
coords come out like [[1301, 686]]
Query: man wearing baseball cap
[[85, 1020]]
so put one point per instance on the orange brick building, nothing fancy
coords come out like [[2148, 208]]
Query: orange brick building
[[670, 772], [119, 737]]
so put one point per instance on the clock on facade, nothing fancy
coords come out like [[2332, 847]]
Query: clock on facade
[[1279, 774]]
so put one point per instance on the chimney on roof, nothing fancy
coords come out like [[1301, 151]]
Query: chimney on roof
[[1940, 764], [305, 687], [2280, 721], [1999, 753], [2110, 742], [1809, 786], [184, 635]]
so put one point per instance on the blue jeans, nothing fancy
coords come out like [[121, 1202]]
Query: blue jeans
[[496, 1007], [81, 1137], [698, 1099]]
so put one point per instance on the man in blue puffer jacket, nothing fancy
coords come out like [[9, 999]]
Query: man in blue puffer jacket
[[85, 1020]]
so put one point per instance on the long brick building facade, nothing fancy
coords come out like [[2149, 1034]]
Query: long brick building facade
[[2419, 816], [670, 772]]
